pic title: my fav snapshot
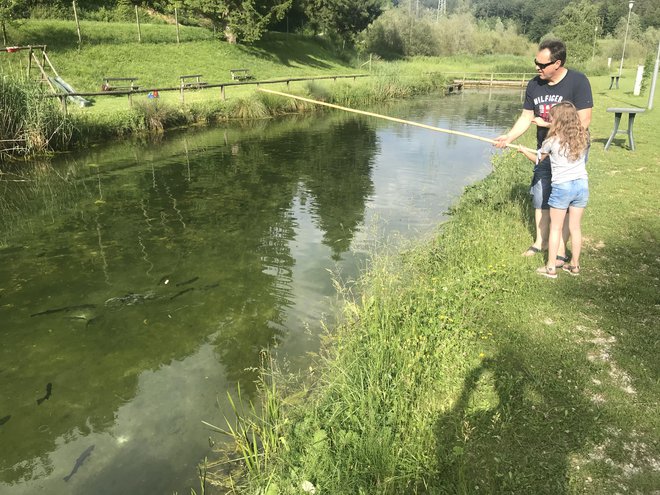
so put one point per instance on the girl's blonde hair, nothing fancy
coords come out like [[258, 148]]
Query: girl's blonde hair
[[567, 128]]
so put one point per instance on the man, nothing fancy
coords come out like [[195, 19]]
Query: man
[[553, 84]]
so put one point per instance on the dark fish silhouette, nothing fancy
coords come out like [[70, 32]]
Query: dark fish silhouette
[[194, 279], [64, 309], [180, 293], [79, 462], [49, 389], [5, 419]]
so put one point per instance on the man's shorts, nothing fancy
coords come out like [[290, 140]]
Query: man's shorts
[[572, 193]]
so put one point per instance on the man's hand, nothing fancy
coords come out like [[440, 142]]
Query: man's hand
[[502, 141]]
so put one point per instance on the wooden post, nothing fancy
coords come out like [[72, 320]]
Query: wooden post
[[137, 20], [222, 92], [176, 21], [491, 79], [64, 106], [29, 62], [75, 15], [182, 97]]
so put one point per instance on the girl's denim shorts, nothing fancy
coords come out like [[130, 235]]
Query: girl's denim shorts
[[572, 193]]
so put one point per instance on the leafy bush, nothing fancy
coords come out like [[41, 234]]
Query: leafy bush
[[396, 34]]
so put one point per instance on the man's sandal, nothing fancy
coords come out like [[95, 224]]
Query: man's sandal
[[547, 271], [561, 261], [531, 251], [573, 270]]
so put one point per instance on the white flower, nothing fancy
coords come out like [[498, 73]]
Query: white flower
[[308, 487]]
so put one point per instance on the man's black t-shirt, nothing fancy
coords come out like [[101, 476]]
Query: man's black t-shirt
[[541, 97]]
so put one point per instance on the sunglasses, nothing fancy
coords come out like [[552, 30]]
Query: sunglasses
[[543, 66]]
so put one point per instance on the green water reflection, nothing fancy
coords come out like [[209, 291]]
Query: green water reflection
[[142, 280]]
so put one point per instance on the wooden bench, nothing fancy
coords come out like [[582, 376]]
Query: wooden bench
[[128, 84], [193, 81], [240, 74], [618, 112]]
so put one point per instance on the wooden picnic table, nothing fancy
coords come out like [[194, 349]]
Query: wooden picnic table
[[193, 81], [129, 84], [240, 74]]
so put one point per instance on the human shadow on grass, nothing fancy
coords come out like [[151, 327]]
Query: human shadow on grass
[[524, 443]]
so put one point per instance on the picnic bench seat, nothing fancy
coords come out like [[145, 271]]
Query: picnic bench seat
[[125, 84], [193, 81], [240, 74]]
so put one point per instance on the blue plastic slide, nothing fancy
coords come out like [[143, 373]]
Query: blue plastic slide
[[64, 86]]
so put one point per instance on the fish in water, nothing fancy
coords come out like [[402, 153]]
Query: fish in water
[[5, 419], [49, 389], [180, 293], [130, 299], [65, 309], [194, 279], [79, 462]]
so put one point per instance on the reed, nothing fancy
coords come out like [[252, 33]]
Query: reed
[[29, 123]]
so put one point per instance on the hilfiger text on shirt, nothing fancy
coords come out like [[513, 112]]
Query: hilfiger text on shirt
[[548, 99]]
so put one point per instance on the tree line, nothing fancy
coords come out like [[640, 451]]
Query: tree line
[[346, 21]]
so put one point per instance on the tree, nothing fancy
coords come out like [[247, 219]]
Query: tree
[[576, 29], [346, 18], [10, 10], [244, 20]]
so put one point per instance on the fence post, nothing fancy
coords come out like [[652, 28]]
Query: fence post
[[492, 75], [75, 15], [176, 21], [222, 92], [137, 20]]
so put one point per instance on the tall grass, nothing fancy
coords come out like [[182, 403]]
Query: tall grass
[[29, 123]]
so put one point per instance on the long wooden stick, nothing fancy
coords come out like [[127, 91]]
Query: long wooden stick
[[392, 119]]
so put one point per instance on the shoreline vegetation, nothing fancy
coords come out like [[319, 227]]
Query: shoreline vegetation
[[458, 370]]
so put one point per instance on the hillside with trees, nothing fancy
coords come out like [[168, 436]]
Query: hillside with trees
[[347, 21]]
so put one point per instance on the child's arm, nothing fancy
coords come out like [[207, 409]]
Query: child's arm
[[533, 155]]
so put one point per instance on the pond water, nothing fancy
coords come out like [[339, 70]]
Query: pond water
[[140, 282]]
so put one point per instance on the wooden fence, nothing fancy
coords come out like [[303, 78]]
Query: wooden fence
[[181, 89], [492, 79]]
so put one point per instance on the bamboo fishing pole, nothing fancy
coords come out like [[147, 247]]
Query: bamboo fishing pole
[[394, 119]]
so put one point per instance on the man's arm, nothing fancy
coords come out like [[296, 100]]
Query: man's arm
[[518, 129], [585, 117]]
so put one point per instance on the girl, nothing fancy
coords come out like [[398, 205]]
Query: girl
[[567, 145]]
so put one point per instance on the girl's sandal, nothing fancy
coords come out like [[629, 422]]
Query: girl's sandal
[[547, 271], [572, 269], [561, 261]]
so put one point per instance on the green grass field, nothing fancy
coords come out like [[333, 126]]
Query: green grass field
[[459, 370]]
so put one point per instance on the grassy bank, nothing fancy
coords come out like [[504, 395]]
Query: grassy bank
[[459, 370]]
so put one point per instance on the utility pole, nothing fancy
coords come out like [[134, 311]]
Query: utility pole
[[655, 79]]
